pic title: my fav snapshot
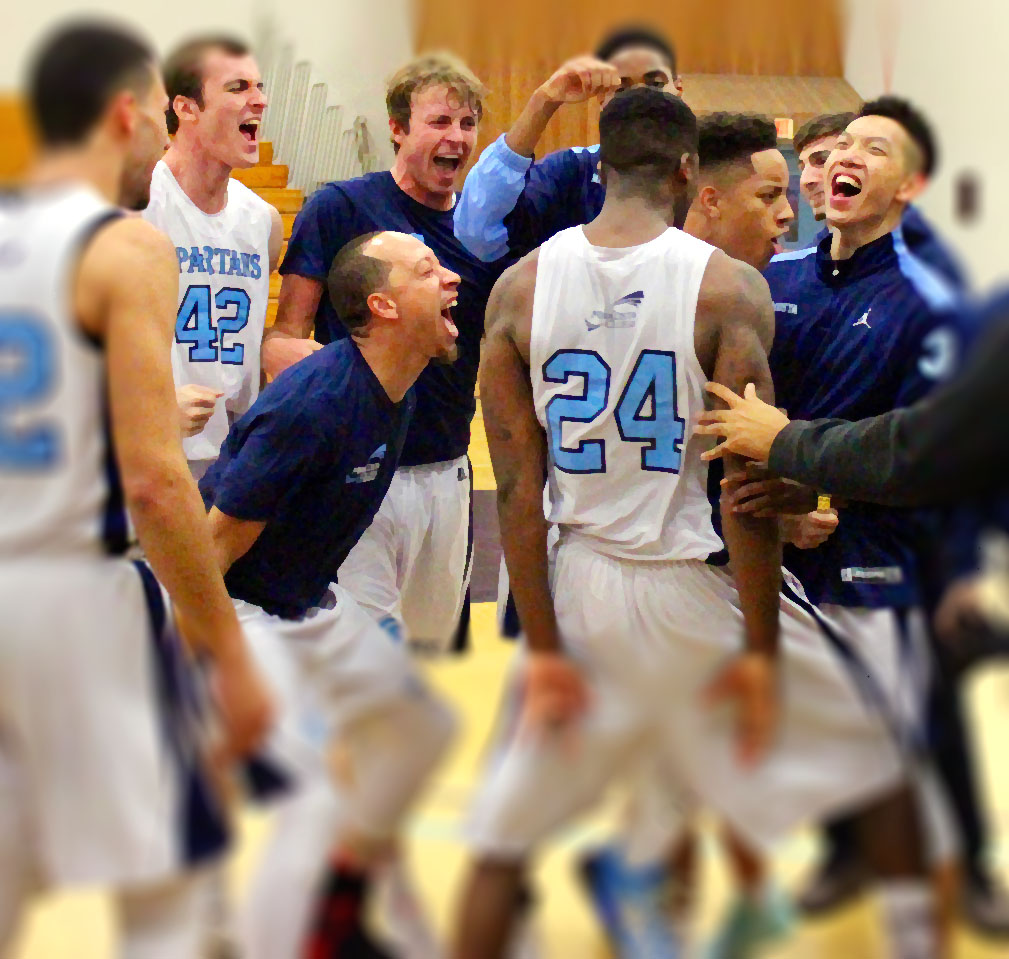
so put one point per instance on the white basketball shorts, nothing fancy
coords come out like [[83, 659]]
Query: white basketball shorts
[[650, 637], [103, 776], [410, 570]]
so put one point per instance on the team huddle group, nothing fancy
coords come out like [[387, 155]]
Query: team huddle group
[[192, 622]]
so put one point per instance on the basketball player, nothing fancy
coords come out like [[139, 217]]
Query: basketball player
[[103, 781], [590, 377], [227, 240], [299, 479], [511, 204], [742, 208]]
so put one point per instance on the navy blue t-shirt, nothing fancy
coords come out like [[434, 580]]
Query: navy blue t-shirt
[[856, 338], [313, 459], [331, 218]]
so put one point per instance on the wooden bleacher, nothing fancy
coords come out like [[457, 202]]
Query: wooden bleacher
[[269, 180]]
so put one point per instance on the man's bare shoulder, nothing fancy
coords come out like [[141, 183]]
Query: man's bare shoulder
[[728, 282], [132, 242], [735, 292], [513, 292], [127, 259], [519, 280]]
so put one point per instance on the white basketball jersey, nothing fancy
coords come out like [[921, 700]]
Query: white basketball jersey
[[58, 492], [224, 286], [617, 384]]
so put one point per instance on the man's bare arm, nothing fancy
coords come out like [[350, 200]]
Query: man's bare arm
[[136, 318], [233, 538], [126, 295], [518, 451], [736, 306], [575, 81], [288, 340]]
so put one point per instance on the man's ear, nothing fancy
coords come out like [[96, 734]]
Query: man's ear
[[185, 107], [398, 130], [382, 304], [708, 199], [686, 172], [913, 186], [122, 113]]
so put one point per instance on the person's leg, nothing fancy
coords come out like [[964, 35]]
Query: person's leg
[[16, 867], [437, 556], [891, 840], [840, 874], [277, 912], [163, 920], [392, 733]]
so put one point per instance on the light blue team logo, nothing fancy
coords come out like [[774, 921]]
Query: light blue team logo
[[368, 472], [620, 315]]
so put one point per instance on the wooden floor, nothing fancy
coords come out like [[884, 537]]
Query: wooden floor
[[78, 926]]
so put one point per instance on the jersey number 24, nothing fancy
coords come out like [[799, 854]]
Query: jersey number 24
[[195, 326], [652, 384]]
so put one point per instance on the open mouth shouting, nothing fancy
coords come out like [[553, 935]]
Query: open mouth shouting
[[446, 315], [844, 187], [448, 163], [250, 130]]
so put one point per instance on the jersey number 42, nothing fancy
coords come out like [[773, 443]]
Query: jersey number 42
[[645, 412], [195, 325]]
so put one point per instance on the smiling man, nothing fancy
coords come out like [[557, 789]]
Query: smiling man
[[410, 569], [863, 327], [813, 144], [227, 239]]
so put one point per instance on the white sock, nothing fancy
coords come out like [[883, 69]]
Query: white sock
[[908, 908]]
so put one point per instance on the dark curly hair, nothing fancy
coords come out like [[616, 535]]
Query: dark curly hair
[[730, 137]]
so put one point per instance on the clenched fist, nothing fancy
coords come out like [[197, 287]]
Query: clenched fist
[[581, 79], [196, 406]]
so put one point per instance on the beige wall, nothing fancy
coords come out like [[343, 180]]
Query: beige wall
[[353, 45], [951, 59]]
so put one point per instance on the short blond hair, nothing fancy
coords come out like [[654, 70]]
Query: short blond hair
[[431, 70]]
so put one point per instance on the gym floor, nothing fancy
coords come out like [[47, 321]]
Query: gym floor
[[79, 925]]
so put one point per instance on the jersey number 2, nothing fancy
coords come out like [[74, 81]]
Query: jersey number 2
[[27, 375], [652, 384], [195, 326]]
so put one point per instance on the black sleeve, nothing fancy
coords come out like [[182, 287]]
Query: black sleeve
[[950, 445]]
